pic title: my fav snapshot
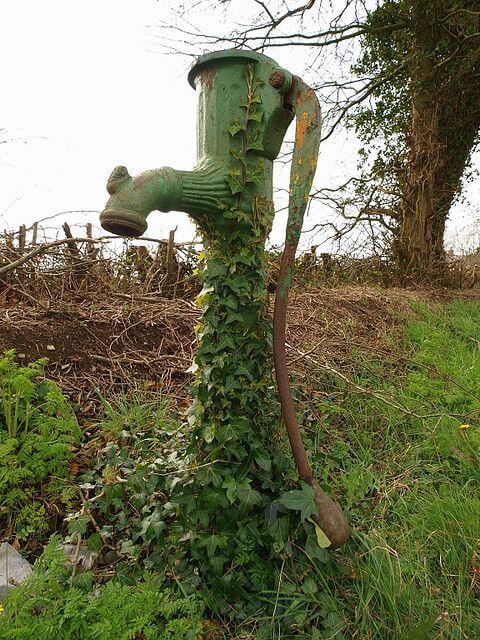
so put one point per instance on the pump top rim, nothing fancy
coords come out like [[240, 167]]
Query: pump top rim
[[226, 55]]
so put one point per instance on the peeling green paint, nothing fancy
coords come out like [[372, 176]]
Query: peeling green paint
[[222, 119]]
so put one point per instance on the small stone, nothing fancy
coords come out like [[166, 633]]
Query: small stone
[[83, 558], [50, 347], [14, 569]]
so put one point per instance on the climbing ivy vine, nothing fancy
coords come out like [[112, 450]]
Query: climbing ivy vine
[[231, 509], [220, 519]]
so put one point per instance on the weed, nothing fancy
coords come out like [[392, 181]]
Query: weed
[[37, 432]]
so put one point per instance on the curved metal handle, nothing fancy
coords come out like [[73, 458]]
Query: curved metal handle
[[302, 98]]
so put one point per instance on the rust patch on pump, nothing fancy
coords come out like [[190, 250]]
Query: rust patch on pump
[[303, 124], [207, 76]]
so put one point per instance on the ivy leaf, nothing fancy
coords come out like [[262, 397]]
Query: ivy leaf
[[214, 499], [238, 155], [151, 526], [217, 564], [213, 542], [264, 462], [245, 258], [227, 342], [323, 540], [257, 174], [302, 500], [248, 496], [235, 128], [234, 317], [254, 141], [243, 371], [79, 525], [235, 185], [256, 144], [129, 549], [256, 116], [226, 434], [216, 269], [251, 100], [209, 433], [231, 486], [230, 302], [95, 543], [209, 475]]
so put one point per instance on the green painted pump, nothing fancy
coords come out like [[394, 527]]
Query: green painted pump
[[222, 178]]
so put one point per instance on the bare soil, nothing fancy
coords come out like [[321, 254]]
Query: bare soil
[[117, 342]]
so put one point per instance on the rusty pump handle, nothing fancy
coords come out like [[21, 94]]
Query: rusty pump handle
[[304, 102]]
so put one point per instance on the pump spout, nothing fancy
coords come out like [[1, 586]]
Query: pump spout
[[131, 200], [212, 187]]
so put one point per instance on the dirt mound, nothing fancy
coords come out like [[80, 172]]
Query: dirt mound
[[103, 346], [106, 346]]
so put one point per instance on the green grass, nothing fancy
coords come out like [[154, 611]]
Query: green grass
[[138, 410], [409, 479]]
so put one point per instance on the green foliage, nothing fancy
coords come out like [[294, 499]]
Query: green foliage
[[51, 605], [387, 119], [127, 489], [184, 504], [236, 525], [37, 433]]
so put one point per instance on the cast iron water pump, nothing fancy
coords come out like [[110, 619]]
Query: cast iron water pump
[[211, 192]]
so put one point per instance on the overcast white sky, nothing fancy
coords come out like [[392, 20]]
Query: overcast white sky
[[85, 88]]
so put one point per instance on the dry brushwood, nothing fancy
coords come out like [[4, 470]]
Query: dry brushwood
[[110, 323]]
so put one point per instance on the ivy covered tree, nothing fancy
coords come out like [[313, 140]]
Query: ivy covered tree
[[425, 120]]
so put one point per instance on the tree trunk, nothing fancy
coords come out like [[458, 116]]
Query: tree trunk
[[420, 248], [444, 124], [420, 241]]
